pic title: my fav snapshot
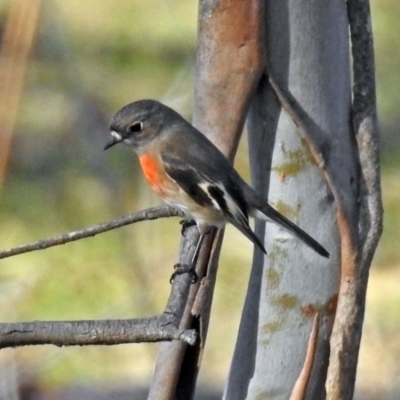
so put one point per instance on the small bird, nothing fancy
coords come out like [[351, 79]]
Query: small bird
[[189, 172]]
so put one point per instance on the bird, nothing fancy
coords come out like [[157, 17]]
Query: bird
[[190, 173]]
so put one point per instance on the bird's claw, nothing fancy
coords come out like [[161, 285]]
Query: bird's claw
[[186, 223], [184, 269]]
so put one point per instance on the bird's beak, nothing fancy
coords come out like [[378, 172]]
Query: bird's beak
[[115, 140]]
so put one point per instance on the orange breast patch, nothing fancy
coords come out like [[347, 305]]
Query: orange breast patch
[[153, 172]]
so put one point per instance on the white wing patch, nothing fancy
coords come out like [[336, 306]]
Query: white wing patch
[[205, 186], [233, 207], [227, 204]]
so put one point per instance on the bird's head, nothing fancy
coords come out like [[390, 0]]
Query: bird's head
[[139, 123]]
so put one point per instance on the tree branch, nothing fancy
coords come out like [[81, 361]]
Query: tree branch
[[225, 49], [346, 334], [148, 214], [161, 327], [365, 126]]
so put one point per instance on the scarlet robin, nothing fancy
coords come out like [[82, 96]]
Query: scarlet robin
[[189, 172]]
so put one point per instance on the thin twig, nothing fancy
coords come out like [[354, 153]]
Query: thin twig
[[148, 214]]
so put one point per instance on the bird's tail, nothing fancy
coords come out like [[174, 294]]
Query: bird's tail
[[266, 212]]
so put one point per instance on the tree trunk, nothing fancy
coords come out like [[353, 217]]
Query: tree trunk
[[283, 343]]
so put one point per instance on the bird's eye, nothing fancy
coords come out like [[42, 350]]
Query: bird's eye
[[136, 127]]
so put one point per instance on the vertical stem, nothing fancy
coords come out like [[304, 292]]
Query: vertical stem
[[229, 64], [16, 45]]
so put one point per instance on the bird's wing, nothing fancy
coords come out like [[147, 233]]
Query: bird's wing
[[234, 197], [188, 179], [223, 197], [266, 212]]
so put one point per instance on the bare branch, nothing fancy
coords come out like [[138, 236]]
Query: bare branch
[[107, 332], [162, 327], [171, 355], [365, 125], [148, 214], [288, 104], [225, 49], [346, 334]]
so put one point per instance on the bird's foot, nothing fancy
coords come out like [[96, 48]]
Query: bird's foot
[[186, 223], [184, 269]]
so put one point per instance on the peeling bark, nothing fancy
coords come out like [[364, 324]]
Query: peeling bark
[[347, 330], [230, 61], [305, 158]]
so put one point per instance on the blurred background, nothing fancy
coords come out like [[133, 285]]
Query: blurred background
[[83, 61]]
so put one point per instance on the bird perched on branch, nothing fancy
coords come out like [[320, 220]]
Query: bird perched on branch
[[189, 172]]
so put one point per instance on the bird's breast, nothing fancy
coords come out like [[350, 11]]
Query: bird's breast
[[174, 195], [154, 173]]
